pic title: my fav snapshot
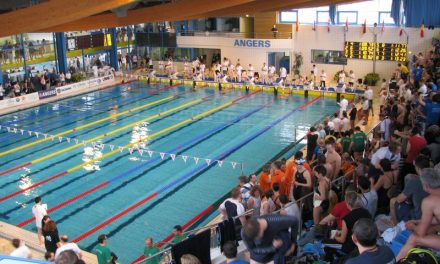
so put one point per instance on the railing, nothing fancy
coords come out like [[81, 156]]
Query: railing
[[253, 35]]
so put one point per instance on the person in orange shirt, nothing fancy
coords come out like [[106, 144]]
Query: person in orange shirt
[[277, 175], [265, 181], [290, 172]]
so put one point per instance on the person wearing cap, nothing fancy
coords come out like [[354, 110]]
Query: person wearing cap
[[303, 185]]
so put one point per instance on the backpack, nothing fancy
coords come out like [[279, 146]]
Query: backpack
[[420, 256]]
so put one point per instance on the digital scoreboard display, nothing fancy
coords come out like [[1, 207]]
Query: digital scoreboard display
[[381, 51]]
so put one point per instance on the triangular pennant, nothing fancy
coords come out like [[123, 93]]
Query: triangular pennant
[[52, 137], [93, 144], [84, 142], [121, 149], [37, 134], [9, 129], [141, 151], [162, 155], [220, 163], [102, 146], [234, 164], [15, 130], [22, 131], [76, 141], [111, 147], [150, 153], [68, 139], [196, 160], [184, 158], [130, 150], [60, 139], [45, 136], [30, 133], [173, 156], [208, 161]]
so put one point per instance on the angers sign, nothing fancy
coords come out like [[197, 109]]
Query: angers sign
[[252, 43]]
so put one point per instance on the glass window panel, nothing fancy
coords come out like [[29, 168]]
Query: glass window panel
[[288, 16], [323, 17]]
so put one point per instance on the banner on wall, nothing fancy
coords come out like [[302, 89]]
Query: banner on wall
[[47, 94]]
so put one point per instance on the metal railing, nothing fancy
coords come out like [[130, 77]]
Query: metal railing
[[252, 35]]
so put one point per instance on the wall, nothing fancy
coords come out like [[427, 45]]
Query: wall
[[306, 39], [263, 23]]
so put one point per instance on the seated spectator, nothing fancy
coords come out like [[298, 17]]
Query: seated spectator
[[268, 238], [386, 181], [232, 207], [424, 232], [21, 250], [68, 257], [66, 245], [407, 205], [189, 259], [254, 201], [365, 238], [368, 195], [230, 252], [339, 211], [289, 208], [356, 213], [178, 235]]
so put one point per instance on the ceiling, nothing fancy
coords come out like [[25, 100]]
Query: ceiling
[[20, 16]]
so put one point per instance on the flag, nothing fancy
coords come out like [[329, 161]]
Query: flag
[[297, 22], [383, 26], [346, 24], [422, 29], [401, 32], [328, 25], [314, 25], [364, 27]]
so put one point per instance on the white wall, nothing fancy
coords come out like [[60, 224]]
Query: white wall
[[306, 39]]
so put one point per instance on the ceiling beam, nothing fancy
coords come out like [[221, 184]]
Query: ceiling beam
[[52, 13], [175, 11]]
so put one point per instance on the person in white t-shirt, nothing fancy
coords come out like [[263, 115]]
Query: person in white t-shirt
[[239, 70], [66, 245], [251, 70], [337, 123], [264, 73], [341, 79], [323, 78], [283, 73], [343, 105], [345, 122], [369, 96], [232, 207], [39, 211], [423, 88], [62, 78], [272, 70], [202, 70], [21, 250], [68, 76], [351, 79], [225, 66]]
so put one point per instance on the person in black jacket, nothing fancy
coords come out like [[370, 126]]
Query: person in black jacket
[[268, 238]]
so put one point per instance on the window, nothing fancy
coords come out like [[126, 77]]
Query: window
[[386, 18], [351, 16], [288, 17], [329, 57], [322, 17]]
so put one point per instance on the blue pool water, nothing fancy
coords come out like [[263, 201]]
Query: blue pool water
[[176, 201]]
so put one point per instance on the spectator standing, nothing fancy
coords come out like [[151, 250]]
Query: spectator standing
[[369, 96], [102, 251], [351, 79], [274, 31], [368, 195], [178, 235], [312, 138], [51, 237], [232, 207], [323, 78], [150, 250]]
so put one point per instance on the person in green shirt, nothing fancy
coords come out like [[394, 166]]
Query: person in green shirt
[[346, 142], [358, 141], [102, 251], [150, 250], [178, 236]]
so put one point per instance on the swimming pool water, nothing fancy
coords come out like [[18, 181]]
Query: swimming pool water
[[173, 201]]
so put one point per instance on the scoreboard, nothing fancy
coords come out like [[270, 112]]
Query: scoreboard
[[86, 41], [367, 50]]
